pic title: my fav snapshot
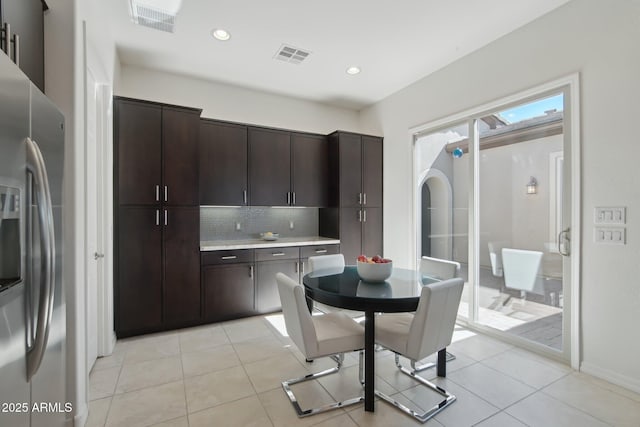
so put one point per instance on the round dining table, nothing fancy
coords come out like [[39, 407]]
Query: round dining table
[[343, 288]]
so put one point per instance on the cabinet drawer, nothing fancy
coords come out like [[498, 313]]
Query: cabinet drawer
[[270, 254], [307, 251], [227, 257]]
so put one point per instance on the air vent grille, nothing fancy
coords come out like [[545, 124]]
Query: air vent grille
[[291, 54], [148, 16]]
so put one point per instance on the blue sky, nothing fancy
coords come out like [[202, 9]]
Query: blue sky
[[533, 109]]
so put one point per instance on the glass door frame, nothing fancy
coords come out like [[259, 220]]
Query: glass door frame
[[569, 86]]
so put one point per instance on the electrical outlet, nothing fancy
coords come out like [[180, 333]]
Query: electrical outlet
[[238, 226], [291, 225]]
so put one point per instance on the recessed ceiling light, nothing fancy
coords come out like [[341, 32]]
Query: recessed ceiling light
[[220, 34], [353, 70]]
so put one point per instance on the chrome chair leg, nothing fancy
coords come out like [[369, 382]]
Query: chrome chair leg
[[286, 385], [435, 409], [420, 368]]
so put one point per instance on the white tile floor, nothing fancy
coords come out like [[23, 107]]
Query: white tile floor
[[229, 374]]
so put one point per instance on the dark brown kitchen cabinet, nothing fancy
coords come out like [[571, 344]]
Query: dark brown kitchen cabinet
[[138, 294], [269, 167], [372, 231], [228, 291], [371, 171], [223, 164], [181, 290], [26, 24], [157, 225], [309, 170], [157, 153]]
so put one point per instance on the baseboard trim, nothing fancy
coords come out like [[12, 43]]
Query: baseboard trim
[[81, 417], [611, 376]]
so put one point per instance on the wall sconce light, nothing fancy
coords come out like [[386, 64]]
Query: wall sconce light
[[532, 186]]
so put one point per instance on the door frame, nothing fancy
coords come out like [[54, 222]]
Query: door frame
[[570, 86]]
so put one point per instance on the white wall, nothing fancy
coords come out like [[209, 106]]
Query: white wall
[[599, 40], [233, 103]]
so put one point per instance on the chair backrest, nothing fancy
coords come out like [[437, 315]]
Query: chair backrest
[[495, 256], [297, 318], [521, 268], [434, 321], [439, 268], [322, 262]]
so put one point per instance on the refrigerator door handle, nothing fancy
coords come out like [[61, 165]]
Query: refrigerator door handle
[[37, 169]]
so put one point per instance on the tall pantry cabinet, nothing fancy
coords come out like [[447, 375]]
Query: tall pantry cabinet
[[157, 232]]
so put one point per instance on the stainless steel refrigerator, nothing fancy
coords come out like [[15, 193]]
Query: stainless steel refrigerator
[[32, 302]]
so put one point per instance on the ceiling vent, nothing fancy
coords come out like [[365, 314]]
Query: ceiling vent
[[291, 54], [156, 14]]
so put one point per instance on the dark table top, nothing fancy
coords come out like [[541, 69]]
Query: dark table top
[[345, 289]]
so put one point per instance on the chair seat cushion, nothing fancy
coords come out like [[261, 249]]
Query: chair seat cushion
[[392, 331], [337, 333]]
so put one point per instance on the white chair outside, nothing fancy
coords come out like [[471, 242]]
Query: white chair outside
[[416, 336], [437, 268], [521, 268], [329, 335]]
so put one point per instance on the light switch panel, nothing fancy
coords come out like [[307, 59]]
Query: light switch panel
[[610, 235], [610, 215]]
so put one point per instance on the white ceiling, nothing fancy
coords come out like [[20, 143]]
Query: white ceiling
[[394, 42]]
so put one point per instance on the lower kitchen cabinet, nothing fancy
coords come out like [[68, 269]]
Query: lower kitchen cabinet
[[228, 291], [139, 289], [269, 262]]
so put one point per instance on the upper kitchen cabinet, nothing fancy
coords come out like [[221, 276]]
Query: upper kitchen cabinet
[[157, 153], [287, 168], [309, 170], [269, 167], [24, 21], [223, 164], [358, 160]]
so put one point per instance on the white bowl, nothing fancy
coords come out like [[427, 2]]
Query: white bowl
[[375, 273], [269, 237]]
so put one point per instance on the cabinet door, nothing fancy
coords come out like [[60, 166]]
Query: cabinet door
[[351, 234], [26, 19], [310, 170], [269, 167], [181, 265], [180, 130], [267, 296], [228, 291], [372, 171], [139, 287], [372, 231], [138, 145], [223, 164], [350, 154]]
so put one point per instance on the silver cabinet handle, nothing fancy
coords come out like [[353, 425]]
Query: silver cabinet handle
[[297, 267], [321, 251], [38, 343], [359, 198], [294, 198], [6, 37], [166, 217], [277, 254], [157, 217], [364, 219], [244, 196], [364, 199], [16, 49], [288, 197], [166, 193], [251, 271], [157, 193], [229, 257], [359, 215]]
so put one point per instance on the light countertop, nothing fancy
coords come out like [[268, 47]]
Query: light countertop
[[220, 245]]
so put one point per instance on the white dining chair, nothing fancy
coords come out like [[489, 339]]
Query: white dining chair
[[438, 268], [330, 262], [327, 335], [521, 271], [416, 336]]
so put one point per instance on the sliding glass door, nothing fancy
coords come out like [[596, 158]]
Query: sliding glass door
[[493, 192]]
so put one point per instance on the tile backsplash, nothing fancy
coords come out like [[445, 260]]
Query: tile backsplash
[[240, 223]]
